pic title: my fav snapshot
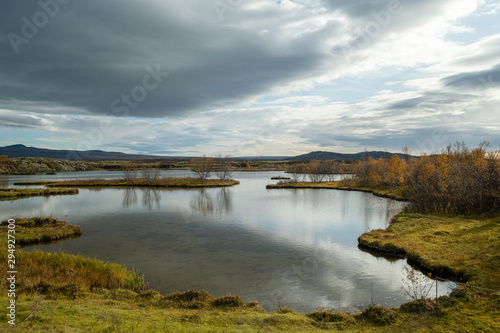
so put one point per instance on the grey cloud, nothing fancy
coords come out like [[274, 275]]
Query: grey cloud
[[430, 99], [93, 52], [19, 120], [475, 80]]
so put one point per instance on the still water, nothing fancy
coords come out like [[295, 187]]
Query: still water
[[281, 247]]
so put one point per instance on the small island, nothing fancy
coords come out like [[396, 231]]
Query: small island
[[37, 230], [168, 182], [16, 193]]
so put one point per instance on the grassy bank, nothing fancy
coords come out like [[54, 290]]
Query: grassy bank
[[15, 193], [457, 247], [169, 182], [339, 185]]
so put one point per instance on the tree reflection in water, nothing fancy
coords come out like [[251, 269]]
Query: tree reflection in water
[[204, 203], [129, 197], [151, 196], [224, 202]]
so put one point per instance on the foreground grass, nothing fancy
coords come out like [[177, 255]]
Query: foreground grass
[[169, 182], [121, 310], [15, 193], [390, 193], [58, 292]]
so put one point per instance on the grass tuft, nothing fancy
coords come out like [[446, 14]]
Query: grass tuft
[[227, 301], [377, 315]]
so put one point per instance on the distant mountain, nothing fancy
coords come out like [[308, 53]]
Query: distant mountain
[[23, 151], [99, 155], [324, 155]]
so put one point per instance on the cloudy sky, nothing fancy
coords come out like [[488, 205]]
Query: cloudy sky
[[249, 77]]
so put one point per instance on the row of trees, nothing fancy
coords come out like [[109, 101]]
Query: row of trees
[[459, 180], [152, 176], [317, 171], [204, 166]]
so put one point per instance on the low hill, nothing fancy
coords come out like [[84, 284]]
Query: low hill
[[324, 155], [23, 151]]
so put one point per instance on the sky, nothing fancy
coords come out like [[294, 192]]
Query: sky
[[249, 78]]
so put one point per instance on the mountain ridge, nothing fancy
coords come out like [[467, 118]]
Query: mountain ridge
[[20, 150], [325, 155]]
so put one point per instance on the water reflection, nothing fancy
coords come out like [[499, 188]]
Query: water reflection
[[151, 198], [129, 197], [203, 202], [223, 201]]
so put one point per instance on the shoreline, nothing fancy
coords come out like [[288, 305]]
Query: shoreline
[[335, 185]]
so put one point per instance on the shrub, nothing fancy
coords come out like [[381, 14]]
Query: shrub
[[378, 315], [192, 299], [417, 306], [227, 301], [330, 317]]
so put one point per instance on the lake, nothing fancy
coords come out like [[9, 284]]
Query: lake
[[280, 247]]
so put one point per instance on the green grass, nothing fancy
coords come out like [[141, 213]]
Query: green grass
[[41, 230], [466, 248], [395, 194], [169, 182], [15, 193]]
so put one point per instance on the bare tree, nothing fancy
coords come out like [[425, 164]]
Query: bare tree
[[202, 167], [406, 153], [129, 173], [315, 171], [223, 167], [151, 177], [295, 171]]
